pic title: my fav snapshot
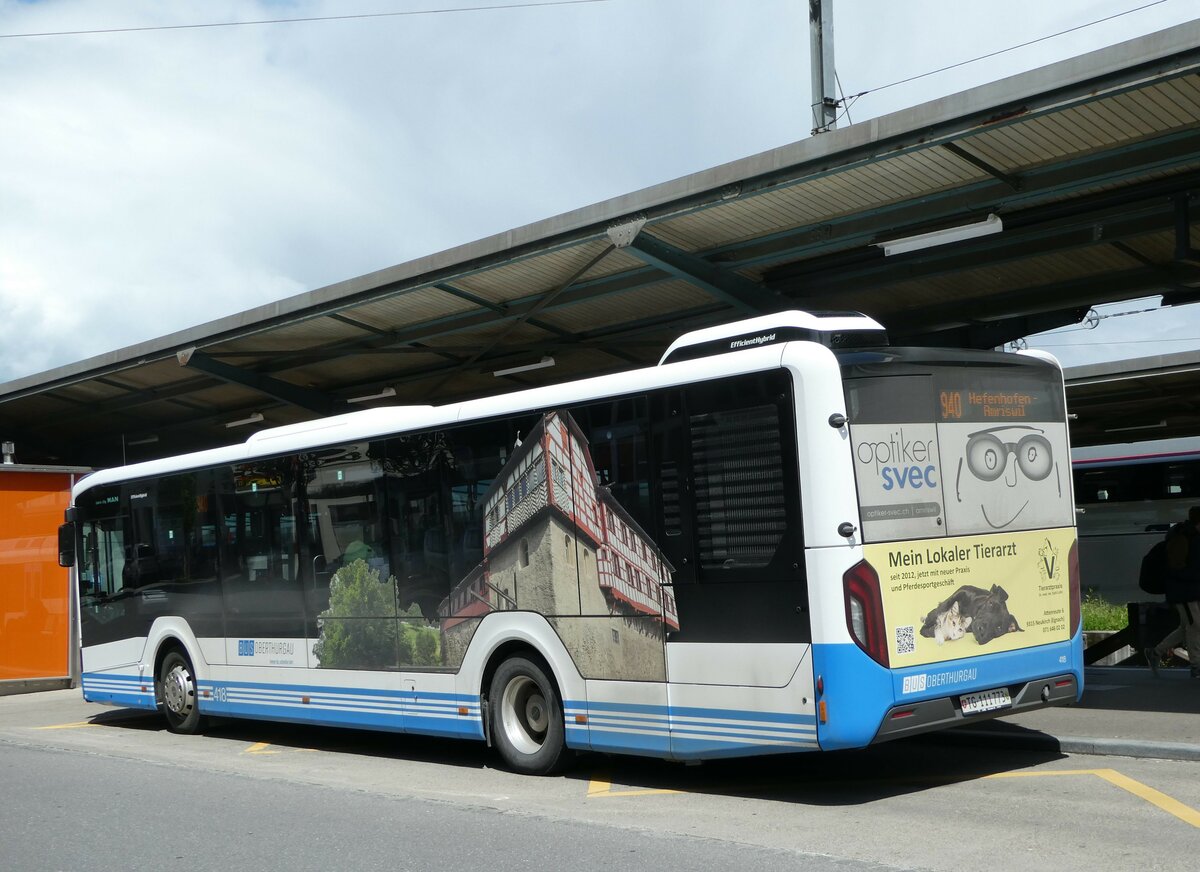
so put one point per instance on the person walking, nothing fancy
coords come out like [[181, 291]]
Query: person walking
[[1182, 591]]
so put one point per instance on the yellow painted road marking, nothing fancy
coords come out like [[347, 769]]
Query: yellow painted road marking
[[1170, 805], [602, 787], [259, 748], [73, 726], [599, 787]]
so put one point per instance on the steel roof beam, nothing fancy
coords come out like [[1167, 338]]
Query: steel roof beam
[[460, 322], [541, 324], [305, 398], [1091, 221], [974, 160], [541, 304], [728, 287], [189, 428], [1085, 291], [1160, 154], [620, 332], [1185, 252], [994, 333], [993, 252], [395, 341], [498, 308]]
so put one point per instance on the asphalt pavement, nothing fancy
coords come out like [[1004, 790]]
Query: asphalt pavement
[[1125, 711]]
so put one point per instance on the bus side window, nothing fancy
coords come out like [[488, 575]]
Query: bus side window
[[745, 499], [345, 497], [728, 504], [259, 556]]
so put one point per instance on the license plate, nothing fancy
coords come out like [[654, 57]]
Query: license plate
[[985, 701]]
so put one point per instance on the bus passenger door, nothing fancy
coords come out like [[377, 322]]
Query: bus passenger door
[[261, 565]]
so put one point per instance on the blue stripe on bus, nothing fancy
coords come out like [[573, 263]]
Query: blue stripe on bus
[[681, 732], [434, 714], [859, 692], [115, 689], [686, 732], [692, 711], [412, 711]]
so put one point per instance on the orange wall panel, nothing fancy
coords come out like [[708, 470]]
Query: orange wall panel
[[35, 611]]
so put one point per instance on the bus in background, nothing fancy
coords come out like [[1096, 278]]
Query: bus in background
[[1128, 496], [787, 536]]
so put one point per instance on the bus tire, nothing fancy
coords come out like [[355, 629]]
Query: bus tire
[[176, 689], [527, 718]]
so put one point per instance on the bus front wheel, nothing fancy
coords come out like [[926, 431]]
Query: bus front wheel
[[527, 718], [177, 692]]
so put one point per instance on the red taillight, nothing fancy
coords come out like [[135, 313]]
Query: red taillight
[[1073, 584], [864, 611]]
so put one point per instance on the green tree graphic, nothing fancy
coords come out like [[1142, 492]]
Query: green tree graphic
[[354, 632]]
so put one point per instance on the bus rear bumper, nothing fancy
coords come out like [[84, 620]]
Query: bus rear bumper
[[910, 718]]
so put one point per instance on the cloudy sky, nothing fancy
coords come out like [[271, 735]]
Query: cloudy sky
[[155, 179]]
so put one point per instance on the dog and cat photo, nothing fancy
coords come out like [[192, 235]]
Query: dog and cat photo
[[983, 613]]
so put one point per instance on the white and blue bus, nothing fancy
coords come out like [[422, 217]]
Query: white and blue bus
[[787, 536]]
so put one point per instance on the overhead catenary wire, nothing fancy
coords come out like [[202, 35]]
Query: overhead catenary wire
[[1001, 51], [1091, 322], [352, 17], [1112, 342], [1093, 319]]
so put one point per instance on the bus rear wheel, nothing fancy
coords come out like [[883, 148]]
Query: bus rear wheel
[[177, 692], [527, 718]]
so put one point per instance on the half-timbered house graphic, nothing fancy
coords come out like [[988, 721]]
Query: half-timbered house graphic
[[558, 543]]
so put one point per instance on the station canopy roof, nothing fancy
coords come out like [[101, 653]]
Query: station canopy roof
[[1150, 398], [1091, 166]]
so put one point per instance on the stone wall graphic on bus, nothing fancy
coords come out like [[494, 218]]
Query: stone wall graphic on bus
[[556, 542]]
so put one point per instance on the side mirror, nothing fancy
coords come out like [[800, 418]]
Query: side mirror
[[66, 545]]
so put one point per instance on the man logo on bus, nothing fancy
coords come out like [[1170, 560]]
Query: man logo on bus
[[986, 458]]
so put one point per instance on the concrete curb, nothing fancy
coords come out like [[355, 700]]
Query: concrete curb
[[1035, 741]]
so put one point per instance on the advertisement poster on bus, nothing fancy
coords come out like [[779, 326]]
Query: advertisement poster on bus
[[959, 452], [944, 599]]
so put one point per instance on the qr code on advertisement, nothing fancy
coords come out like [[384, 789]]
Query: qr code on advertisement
[[906, 642]]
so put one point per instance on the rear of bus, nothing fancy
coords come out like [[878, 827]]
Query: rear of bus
[[962, 600]]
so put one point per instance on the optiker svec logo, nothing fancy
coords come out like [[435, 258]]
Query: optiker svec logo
[[245, 647]]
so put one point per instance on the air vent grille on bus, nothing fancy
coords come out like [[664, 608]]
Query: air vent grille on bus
[[669, 477], [738, 470]]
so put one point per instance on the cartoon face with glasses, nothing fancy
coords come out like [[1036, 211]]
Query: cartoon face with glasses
[[1010, 472]]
